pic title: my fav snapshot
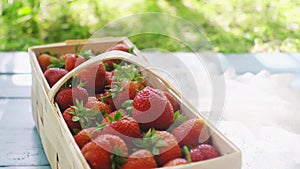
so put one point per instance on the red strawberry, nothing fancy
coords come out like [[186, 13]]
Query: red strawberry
[[81, 116], [173, 101], [44, 61], [104, 151], [123, 126], [162, 144], [54, 74], [189, 132], [109, 64], [168, 152], [86, 135], [126, 83], [106, 98], [203, 152], [108, 76], [121, 47], [95, 104], [93, 78], [113, 114], [67, 96], [176, 161], [72, 61], [140, 159], [74, 126], [152, 109]]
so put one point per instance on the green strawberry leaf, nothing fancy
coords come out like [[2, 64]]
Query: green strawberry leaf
[[177, 121], [100, 126], [87, 54], [75, 118], [155, 151], [76, 131], [186, 151], [50, 53], [127, 103], [76, 48], [56, 63], [118, 116], [151, 142], [130, 50]]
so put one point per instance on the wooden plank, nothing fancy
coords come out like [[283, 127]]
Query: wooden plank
[[28, 167], [21, 147], [19, 142], [18, 85], [16, 114], [14, 62]]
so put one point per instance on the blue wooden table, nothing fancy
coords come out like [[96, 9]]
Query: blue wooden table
[[20, 145]]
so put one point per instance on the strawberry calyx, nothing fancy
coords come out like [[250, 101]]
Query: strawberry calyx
[[177, 120], [128, 105], [127, 72], [118, 116], [131, 50], [151, 142], [87, 54], [99, 126], [73, 82], [117, 157], [123, 76], [57, 63], [84, 116], [50, 53]]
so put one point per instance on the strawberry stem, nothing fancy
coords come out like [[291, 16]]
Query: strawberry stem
[[187, 154]]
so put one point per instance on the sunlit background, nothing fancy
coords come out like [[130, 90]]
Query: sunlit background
[[233, 26]]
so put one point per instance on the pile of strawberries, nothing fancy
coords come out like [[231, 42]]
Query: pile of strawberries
[[119, 121]]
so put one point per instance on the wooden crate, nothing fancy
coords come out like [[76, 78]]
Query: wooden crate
[[60, 147]]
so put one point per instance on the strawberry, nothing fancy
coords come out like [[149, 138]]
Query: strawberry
[[140, 159], [123, 126], [189, 132], [112, 115], [151, 108], [203, 152], [74, 126], [162, 144], [173, 101], [54, 74], [108, 76], [86, 135], [66, 97], [95, 104], [109, 64], [72, 61], [121, 47], [93, 78], [127, 81], [105, 152], [81, 116], [106, 98], [44, 61], [176, 161]]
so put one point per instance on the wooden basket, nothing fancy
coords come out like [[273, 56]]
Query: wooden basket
[[60, 147]]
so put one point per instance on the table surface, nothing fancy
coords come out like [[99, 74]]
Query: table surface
[[20, 145]]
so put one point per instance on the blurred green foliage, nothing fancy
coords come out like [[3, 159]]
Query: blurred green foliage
[[232, 26]]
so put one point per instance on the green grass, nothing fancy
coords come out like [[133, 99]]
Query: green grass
[[232, 26]]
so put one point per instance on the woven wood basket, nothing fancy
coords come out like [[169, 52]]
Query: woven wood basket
[[59, 145]]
